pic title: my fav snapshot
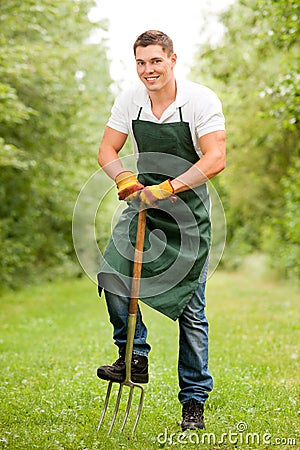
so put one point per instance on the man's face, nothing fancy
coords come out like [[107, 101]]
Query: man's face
[[154, 66]]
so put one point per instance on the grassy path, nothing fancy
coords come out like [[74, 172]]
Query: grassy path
[[53, 337]]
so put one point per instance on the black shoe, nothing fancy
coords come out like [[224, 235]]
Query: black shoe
[[192, 415], [117, 371]]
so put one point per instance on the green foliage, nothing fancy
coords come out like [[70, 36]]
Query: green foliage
[[282, 235], [54, 98], [254, 69]]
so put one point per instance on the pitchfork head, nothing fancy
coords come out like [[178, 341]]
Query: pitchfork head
[[131, 386]]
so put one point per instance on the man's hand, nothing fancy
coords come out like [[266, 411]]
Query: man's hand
[[127, 184], [150, 195]]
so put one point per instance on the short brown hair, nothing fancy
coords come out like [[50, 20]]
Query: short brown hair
[[154, 37]]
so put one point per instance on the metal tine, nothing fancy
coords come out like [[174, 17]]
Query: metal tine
[[128, 407], [139, 408], [105, 404], [116, 408]]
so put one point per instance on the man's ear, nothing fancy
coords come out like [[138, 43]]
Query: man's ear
[[174, 58]]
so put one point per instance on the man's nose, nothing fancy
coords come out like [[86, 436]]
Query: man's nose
[[149, 68]]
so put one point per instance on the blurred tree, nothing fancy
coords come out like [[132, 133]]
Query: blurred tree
[[54, 98], [254, 69]]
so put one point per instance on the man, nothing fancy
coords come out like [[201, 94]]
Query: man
[[178, 133]]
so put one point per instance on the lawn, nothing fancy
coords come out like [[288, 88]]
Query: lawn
[[54, 336]]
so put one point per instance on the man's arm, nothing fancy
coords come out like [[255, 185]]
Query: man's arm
[[108, 159], [111, 143], [213, 161]]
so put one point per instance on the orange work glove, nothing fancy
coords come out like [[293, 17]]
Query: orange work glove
[[127, 183], [150, 195]]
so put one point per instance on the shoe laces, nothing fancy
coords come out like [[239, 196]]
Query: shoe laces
[[120, 362], [192, 410]]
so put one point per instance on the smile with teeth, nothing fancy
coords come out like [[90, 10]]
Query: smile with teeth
[[152, 78]]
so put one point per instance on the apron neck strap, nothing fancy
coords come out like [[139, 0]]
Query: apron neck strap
[[180, 114], [140, 111]]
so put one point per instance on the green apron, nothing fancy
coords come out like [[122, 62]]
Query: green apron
[[177, 237]]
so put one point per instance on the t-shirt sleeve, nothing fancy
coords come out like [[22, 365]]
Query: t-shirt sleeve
[[209, 114], [118, 120]]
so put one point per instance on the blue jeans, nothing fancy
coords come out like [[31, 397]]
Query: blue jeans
[[195, 380]]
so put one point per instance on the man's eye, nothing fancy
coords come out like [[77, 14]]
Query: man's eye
[[157, 61]]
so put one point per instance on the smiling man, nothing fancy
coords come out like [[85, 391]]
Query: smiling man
[[155, 69], [178, 133]]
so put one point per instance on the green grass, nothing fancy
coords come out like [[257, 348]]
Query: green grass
[[54, 336]]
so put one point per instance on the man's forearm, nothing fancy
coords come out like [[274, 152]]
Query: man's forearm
[[212, 162], [198, 174], [108, 158], [110, 162]]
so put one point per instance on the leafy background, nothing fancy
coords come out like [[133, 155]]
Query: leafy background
[[55, 100]]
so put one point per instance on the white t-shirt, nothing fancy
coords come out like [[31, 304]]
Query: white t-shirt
[[200, 107]]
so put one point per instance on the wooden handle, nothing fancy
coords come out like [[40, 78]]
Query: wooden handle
[[138, 260]]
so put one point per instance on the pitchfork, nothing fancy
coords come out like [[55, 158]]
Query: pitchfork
[[132, 313]]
